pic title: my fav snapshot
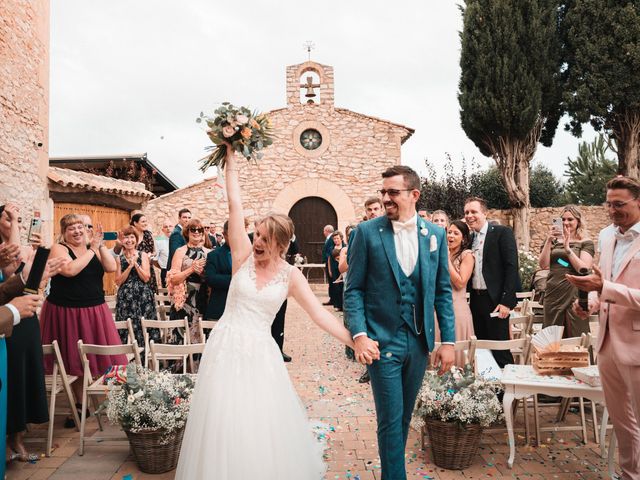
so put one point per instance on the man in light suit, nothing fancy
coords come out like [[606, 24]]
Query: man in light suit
[[398, 275], [615, 288]]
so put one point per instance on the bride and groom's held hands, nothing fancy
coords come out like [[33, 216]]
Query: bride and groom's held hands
[[366, 351]]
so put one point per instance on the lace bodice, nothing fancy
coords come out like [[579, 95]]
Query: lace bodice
[[248, 307]]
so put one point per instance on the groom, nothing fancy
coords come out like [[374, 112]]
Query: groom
[[398, 275]]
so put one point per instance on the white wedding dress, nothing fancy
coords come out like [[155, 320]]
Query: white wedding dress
[[246, 420]]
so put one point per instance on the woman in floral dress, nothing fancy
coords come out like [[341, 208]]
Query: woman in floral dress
[[135, 298], [146, 244], [186, 276]]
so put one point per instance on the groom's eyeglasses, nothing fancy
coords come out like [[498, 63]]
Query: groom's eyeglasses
[[392, 192], [196, 230]]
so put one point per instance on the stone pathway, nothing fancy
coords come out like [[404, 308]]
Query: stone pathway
[[327, 384]]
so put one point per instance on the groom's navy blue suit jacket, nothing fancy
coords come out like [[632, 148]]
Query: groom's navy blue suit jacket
[[372, 292]]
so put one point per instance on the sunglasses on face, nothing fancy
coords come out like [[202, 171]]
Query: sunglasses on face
[[196, 230], [88, 226]]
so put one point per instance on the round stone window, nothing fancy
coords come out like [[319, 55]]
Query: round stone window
[[311, 139]]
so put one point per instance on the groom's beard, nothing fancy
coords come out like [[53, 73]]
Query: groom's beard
[[392, 210]]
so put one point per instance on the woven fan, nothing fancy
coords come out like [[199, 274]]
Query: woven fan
[[546, 337]]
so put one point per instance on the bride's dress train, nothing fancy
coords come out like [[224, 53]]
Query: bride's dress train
[[246, 420]]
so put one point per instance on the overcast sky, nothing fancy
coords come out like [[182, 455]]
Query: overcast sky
[[131, 77]]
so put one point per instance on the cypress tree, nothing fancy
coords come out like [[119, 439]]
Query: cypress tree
[[602, 49], [510, 88]]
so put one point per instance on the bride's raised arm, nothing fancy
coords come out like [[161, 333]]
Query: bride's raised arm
[[239, 242]]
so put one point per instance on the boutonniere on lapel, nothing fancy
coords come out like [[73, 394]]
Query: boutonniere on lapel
[[433, 243], [423, 230]]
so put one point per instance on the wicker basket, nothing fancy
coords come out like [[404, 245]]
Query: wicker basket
[[152, 456], [453, 446]]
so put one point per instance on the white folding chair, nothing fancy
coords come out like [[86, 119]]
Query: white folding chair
[[131, 336], [208, 325], [163, 305], [96, 388], [54, 388], [161, 351], [167, 328]]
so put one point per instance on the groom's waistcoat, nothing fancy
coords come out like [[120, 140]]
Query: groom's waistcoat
[[411, 298]]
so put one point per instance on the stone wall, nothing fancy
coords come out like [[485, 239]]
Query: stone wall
[[595, 218], [24, 108]]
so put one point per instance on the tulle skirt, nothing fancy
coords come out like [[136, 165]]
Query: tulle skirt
[[246, 420]]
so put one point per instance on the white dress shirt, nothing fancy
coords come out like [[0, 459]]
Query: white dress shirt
[[477, 280], [405, 238], [162, 250], [623, 242]]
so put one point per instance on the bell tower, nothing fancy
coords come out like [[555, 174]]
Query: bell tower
[[310, 84]]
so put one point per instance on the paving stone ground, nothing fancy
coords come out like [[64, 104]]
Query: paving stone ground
[[327, 384]]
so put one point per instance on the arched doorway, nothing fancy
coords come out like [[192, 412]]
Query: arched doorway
[[310, 215]]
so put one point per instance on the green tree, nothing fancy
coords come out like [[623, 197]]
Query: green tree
[[589, 173], [445, 192], [545, 189], [602, 54], [510, 88]]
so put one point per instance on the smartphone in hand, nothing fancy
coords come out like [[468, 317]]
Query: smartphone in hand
[[35, 227], [110, 235], [557, 226]]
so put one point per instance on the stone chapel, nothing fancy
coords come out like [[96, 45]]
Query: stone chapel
[[324, 163]]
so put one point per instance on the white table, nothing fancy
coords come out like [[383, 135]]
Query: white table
[[521, 381]]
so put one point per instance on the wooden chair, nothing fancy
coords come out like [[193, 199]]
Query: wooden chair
[[54, 388], [208, 325], [167, 328], [111, 301], [163, 290], [520, 326], [161, 351], [96, 388], [163, 305], [131, 336]]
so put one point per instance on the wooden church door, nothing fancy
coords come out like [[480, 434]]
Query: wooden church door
[[310, 215]]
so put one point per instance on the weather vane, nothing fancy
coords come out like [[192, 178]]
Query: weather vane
[[308, 46]]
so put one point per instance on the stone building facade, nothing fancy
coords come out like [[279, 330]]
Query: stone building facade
[[324, 162], [24, 106]]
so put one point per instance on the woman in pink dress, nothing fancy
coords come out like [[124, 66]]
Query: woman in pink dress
[[461, 263]]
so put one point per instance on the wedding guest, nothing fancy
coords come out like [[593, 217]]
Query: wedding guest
[[424, 214], [335, 289], [615, 288], [210, 231], [187, 273], [495, 278], [343, 268], [277, 326], [162, 251], [440, 218], [135, 298], [217, 274], [373, 208], [13, 308], [145, 244], [327, 231], [565, 252], [26, 390], [75, 308], [176, 239], [461, 263]]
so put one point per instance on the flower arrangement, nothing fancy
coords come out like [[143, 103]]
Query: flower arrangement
[[458, 396], [150, 400], [246, 132], [528, 264]]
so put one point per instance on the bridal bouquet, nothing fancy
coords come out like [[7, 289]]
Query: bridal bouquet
[[458, 396], [246, 132], [149, 400]]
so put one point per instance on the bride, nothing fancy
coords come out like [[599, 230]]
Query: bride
[[246, 420]]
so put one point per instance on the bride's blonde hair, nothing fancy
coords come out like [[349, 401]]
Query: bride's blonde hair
[[279, 231]]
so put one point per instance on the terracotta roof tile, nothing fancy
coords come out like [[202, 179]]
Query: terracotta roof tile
[[97, 183]]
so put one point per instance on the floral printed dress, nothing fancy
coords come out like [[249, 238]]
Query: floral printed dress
[[148, 246], [135, 300]]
